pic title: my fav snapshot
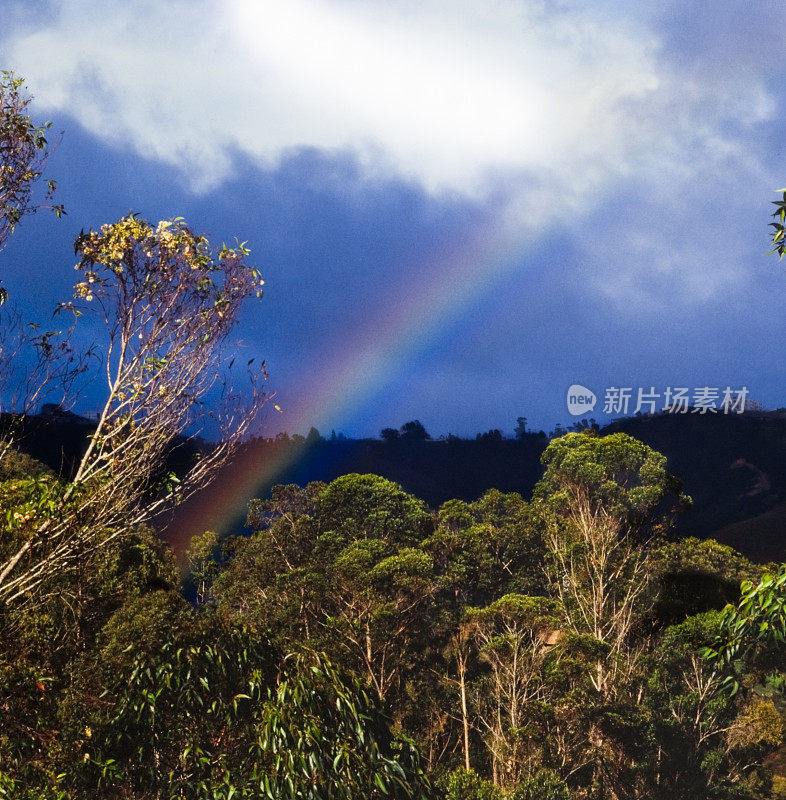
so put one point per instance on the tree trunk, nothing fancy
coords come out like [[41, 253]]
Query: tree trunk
[[462, 664]]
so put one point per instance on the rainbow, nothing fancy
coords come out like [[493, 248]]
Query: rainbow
[[348, 374]]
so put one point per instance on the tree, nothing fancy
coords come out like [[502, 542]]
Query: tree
[[602, 499], [314, 437], [778, 233], [544, 785], [588, 426], [177, 718], [466, 784], [340, 567], [458, 650], [413, 431], [494, 435], [695, 576], [168, 303], [753, 632], [23, 151], [480, 551], [486, 549], [520, 431], [599, 497], [41, 644], [512, 638], [202, 564], [324, 736], [709, 743]]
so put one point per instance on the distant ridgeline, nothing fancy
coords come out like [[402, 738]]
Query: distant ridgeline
[[58, 438], [733, 466]]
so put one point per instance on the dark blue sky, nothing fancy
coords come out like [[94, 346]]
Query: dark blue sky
[[460, 208]]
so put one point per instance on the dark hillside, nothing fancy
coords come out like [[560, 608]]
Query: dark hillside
[[435, 471], [59, 439], [734, 467]]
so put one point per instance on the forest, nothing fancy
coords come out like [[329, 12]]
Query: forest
[[355, 643]]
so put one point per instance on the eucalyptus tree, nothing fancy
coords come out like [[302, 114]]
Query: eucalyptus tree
[[602, 499], [341, 567], [23, 152], [167, 303]]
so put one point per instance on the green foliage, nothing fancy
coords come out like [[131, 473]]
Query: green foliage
[[617, 473], [11, 789], [27, 502], [180, 720], [327, 740], [23, 149], [511, 638], [545, 785], [341, 566], [698, 575], [760, 724], [41, 644], [143, 624], [26, 708], [707, 738], [446, 628], [695, 698], [753, 633], [462, 784], [488, 548], [778, 233], [74, 607], [202, 564], [535, 615], [370, 507], [705, 556], [43, 682], [600, 500], [15, 465]]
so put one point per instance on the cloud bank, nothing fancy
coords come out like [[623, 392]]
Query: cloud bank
[[463, 96], [623, 127]]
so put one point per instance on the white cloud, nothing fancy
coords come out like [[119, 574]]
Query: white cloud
[[448, 93], [544, 105]]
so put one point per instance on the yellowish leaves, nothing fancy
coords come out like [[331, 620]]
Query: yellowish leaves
[[83, 292], [759, 724]]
